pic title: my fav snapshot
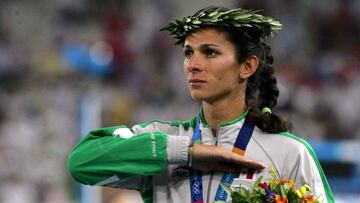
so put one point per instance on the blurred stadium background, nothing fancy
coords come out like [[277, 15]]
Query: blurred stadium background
[[67, 66]]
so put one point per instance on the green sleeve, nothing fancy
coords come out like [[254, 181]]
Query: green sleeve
[[101, 157]]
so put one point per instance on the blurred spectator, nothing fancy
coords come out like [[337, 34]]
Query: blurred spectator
[[55, 53]]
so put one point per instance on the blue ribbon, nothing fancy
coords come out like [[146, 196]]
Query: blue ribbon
[[241, 142]]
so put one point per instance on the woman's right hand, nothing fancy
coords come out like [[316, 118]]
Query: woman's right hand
[[217, 158]]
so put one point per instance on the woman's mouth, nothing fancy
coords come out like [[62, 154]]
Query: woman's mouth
[[196, 81]]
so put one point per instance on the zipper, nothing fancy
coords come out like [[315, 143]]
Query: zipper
[[212, 173]]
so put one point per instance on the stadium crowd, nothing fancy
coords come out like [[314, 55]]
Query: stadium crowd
[[56, 54]]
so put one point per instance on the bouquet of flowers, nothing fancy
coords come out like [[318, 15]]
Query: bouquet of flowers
[[274, 191]]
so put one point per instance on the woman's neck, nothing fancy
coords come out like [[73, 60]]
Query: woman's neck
[[221, 112]]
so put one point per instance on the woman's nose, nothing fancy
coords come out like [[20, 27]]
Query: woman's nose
[[194, 63]]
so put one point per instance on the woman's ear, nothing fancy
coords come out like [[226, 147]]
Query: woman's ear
[[249, 66]]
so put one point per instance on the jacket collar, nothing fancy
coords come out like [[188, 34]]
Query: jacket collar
[[231, 122]]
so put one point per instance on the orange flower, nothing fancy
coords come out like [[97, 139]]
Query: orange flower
[[281, 199], [289, 182], [308, 199]]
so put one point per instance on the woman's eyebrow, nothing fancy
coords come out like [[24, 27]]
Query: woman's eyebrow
[[202, 46], [209, 45], [187, 47]]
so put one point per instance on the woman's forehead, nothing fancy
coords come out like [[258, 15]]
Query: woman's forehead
[[207, 36]]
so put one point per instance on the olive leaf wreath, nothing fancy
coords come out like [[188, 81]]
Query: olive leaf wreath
[[234, 18]]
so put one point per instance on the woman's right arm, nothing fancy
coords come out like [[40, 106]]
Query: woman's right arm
[[126, 158], [117, 157]]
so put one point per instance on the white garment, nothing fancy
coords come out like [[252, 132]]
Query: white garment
[[292, 157]]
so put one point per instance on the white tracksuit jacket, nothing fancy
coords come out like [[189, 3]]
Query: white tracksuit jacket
[[152, 158]]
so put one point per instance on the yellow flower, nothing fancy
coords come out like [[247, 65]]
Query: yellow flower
[[273, 172], [298, 193], [274, 180], [305, 189], [289, 182]]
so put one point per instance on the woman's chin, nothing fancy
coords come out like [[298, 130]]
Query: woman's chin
[[197, 96]]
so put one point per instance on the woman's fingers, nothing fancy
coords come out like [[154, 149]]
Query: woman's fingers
[[218, 158], [233, 158], [239, 160]]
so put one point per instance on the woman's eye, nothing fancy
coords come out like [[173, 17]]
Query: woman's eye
[[188, 53], [210, 53]]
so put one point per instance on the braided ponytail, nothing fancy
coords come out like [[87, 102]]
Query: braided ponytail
[[261, 87], [265, 84]]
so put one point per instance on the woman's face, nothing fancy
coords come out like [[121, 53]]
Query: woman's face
[[211, 67]]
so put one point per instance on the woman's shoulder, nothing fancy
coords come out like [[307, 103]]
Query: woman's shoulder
[[283, 140], [163, 125], [284, 148]]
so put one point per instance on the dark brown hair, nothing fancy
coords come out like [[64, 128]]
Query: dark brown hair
[[261, 88]]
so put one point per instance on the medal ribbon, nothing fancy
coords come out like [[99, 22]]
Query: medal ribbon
[[239, 148]]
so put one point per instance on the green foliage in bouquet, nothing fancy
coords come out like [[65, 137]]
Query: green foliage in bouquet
[[274, 191]]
